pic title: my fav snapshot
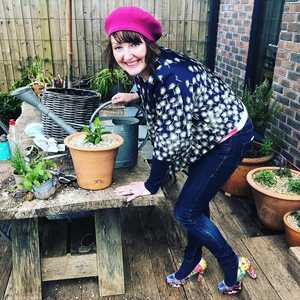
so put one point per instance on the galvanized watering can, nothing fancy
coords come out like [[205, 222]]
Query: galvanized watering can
[[127, 127]]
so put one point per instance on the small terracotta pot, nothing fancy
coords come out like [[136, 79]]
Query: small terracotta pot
[[270, 205], [237, 184], [93, 166], [292, 234]]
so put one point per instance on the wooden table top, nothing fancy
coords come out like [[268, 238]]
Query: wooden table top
[[72, 200]]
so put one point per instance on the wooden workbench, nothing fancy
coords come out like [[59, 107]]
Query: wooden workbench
[[30, 269]]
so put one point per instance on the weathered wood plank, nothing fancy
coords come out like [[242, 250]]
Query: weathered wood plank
[[140, 278], [73, 200], [294, 263], [5, 266], [26, 260], [53, 239], [271, 253], [69, 267], [109, 252]]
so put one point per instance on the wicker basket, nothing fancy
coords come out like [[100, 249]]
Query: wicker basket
[[74, 106]]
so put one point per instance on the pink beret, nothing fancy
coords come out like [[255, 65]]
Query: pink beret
[[133, 19]]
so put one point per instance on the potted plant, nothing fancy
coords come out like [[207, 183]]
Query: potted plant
[[38, 178], [109, 82], [276, 191], [292, 228], [260, 154], [261, 109], [19, 165], [93, 154]]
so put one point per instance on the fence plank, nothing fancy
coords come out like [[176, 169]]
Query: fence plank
[[45, 34], [38, 28]]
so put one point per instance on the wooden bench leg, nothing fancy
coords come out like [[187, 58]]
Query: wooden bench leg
[[109, 252], [26, 276]]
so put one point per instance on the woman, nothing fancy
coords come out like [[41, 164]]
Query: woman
[[195, 122]]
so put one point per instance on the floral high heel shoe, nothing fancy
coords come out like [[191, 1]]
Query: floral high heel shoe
[[244, 268], [198, 270]]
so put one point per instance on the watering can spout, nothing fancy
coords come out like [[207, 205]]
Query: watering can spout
[[27, 95]]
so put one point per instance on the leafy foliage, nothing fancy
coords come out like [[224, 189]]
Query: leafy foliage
[[94, 133], [105, 79], [266, 178], [266, 148], [18, 162], [37, 173], [33, 69], [260, 106], [294, 185]]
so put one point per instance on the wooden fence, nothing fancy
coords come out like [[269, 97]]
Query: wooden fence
[[30, 28]]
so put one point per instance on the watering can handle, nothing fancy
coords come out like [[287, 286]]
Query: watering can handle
[[105, 104]]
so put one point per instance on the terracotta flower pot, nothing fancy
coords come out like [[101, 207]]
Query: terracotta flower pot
[[292, 234], [270, 205], [93, 166], [237, 184]]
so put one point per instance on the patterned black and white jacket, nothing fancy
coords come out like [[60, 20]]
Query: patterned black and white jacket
[[189, 111]]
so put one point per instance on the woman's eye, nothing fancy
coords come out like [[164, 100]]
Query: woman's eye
[[117, 47]]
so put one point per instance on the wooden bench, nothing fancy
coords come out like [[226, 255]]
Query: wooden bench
[[30, 269]]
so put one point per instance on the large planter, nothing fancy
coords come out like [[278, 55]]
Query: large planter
[[93, 166], [292, 233], [270, 205], [237, 184]]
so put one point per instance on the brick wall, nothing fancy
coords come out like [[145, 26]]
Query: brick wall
[[286, 82], [233, 40]]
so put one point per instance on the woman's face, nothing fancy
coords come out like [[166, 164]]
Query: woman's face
[[130, 57]]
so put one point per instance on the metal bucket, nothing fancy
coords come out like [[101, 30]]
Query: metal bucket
[[128, 129]]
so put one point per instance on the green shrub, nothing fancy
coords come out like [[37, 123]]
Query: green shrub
[[266, 178], [260, 106], [294, 185]]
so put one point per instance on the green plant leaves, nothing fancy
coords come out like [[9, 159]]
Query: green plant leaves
[[94, 133]]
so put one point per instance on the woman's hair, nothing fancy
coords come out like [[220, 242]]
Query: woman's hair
[[134, 38]]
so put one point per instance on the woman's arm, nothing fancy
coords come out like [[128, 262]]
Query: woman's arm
[[124, 98]]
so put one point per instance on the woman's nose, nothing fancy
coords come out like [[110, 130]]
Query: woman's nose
[[127, 55]]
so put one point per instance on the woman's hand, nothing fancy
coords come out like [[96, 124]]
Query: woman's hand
[[133, 190], [124, 98]]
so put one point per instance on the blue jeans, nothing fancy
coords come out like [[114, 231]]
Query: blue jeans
[[205, 177]]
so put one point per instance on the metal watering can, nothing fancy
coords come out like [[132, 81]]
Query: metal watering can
[[127, 127]]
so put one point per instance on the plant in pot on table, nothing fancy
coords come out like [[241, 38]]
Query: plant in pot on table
[[93, 154], [38, 178], [19, 165], [276, 191], [261, 110]]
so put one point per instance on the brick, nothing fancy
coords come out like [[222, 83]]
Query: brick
[[286, 36], [286, 129], [293, 76], [297, 38], [295, 57], [294, 152], [277, 88], [293, 123], [283, 100], [295, 105], [290, 94], [292, 142], [297, 116]]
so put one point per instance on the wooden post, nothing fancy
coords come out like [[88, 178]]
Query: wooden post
[[26, 274], [109, 252], [69, 41]]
